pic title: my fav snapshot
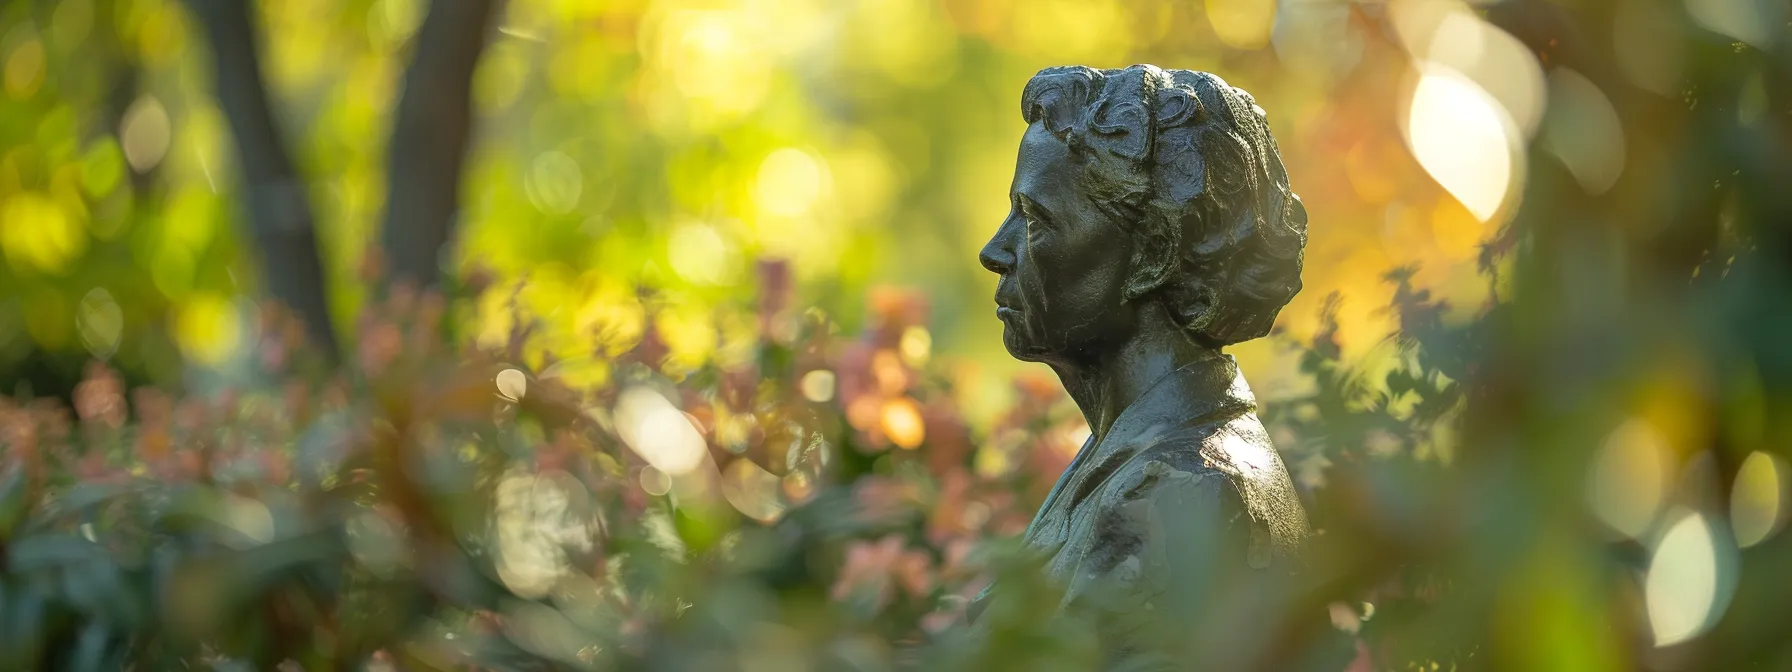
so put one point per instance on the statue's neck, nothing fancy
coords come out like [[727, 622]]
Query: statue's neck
[[1104, 386]]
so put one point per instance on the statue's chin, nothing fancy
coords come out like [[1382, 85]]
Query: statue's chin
[[1020, 349]]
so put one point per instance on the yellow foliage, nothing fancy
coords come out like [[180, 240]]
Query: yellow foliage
[[208, 328], [39, 235]]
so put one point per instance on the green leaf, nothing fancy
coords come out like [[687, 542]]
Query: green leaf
[[22, 628], [51, 551], [100, 588], [84, 496], [94, 650]]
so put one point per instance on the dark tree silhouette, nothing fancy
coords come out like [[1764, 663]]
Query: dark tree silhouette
[[430, 133], [280, 217]]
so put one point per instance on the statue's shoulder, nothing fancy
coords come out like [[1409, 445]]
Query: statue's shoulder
[[1233, 466]]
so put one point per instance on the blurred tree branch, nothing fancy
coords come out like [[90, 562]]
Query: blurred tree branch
[[430, 133], [280, 216]]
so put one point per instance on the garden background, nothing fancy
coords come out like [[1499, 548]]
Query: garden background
[[649, 334]]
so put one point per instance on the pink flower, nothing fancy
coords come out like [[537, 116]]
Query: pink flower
[[880, 567]]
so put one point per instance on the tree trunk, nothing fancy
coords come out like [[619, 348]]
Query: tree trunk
[[280, 216], [430, 133]]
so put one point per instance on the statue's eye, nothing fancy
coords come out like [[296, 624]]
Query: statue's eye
[[1035, 223]]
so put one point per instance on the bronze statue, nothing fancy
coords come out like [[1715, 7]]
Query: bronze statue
[[1151, 226]]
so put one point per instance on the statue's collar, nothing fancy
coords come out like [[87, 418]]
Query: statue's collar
[[1195, 393]]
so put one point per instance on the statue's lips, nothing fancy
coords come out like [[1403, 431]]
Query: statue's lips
[[1006, 313]]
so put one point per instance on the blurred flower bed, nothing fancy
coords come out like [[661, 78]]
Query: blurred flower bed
[[440, 506]]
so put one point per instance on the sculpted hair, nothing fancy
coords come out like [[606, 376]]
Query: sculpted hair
[[1186, 163]]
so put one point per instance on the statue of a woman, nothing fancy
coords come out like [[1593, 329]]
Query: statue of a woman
[[1151, 225]]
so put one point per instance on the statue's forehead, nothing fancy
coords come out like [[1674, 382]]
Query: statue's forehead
[[1044, 164]]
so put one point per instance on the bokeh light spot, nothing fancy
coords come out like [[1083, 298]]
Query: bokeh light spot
[[536, 517], [907, 42], [700, 254], [818, 385], [1071, 31], [100, 321], [916, 346], [554, 183], [654, 481], [1758, 500], [38, 235], [1630, 477], [789, 183], [1449, 34], [752, 490], [250, 518], [1456, 231], [1751, 21], [512, 384], [144, 131], [714, 63], [1582, 130], [1242, 24], [102, 167], [376, 542], [865, 183], [72, 22], [503, 70], [659, 432], [393, 21], [1687, 585], [901, 422], [25, 69], [207, 328], [1463, 139]]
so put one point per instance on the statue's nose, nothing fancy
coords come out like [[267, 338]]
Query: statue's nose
[[998, 254]]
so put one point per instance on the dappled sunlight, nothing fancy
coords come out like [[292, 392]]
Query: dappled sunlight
[[1242, 24], [1751, 21], [208, 328], [1759, 499], [659, 432], [1691, 574], [789, 183], [101, 323], [554, 183], [1583, 131], [752, 490], [1465, 141], [537, 518], [700, 255], [1630, 476], [688, 360], [145, 133], [39, 235]]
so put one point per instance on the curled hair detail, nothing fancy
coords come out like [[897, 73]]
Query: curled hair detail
[[1187, 165]]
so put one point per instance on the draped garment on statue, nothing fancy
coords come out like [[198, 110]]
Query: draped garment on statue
[[1183, 505]]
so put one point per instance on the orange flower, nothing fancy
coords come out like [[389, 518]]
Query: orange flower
[[894, 309], [100, 398]]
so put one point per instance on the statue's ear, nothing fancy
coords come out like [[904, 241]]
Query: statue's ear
[[1156, 252]]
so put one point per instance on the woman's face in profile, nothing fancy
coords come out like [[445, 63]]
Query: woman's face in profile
[[1063, 262]]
